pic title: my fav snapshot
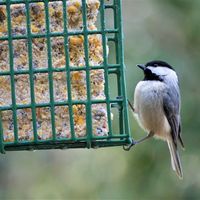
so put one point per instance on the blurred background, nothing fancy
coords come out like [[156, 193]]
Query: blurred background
[[153, 29]]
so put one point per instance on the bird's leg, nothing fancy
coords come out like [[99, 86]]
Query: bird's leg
[[131, 106], [150, 135]]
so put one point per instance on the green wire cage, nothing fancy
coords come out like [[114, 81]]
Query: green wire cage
[[117, 130]]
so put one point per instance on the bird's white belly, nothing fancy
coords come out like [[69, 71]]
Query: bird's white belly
[[149, 108]]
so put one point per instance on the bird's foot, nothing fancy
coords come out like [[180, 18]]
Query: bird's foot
[[128, 148], [133, 143]]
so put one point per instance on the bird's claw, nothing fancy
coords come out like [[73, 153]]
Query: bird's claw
[[128, 148]]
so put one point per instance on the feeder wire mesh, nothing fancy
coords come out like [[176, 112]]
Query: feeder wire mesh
[[109, 35]]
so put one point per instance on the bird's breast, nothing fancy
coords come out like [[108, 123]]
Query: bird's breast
[[148, 104]]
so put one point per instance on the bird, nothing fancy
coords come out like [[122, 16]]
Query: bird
[[156, 107]]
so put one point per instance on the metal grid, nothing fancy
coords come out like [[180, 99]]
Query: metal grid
[[113, 35]]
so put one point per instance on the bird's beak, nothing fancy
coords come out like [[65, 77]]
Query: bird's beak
[[141, 66]]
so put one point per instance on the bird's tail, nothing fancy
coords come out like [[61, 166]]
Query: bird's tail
[[175, 159]]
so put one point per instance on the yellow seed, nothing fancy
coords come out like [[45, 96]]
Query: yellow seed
[[72, 9], [24, 101], [75, 109], [26, 127], [34, 29], [76, 40], [76, 76], [40, 132], [40, 4], [19, 19], [51, 11], [97, 4], [58, 14], [81, 120], [59, 128], [92, 27], [77, 4]]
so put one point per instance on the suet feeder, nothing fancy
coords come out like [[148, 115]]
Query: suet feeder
[[55, 75]]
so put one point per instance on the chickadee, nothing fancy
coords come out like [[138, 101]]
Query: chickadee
[[157, 107]]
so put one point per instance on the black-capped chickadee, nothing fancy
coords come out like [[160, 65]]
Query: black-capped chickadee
[[157, 107]]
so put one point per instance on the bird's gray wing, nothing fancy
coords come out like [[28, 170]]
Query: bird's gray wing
[[171, 106]]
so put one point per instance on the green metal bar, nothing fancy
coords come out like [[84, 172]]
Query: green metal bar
[[31, 73], [49, 141], [50, 70], [67, 68], [105, 63], [117, 50], [62, 103], [12, 77], [123, 79], [65, 145], [35, 71], [88, 104], [116, 136], [57, 34]]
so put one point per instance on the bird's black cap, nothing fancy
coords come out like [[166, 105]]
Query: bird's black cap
[[156, 63], [149, 75]]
